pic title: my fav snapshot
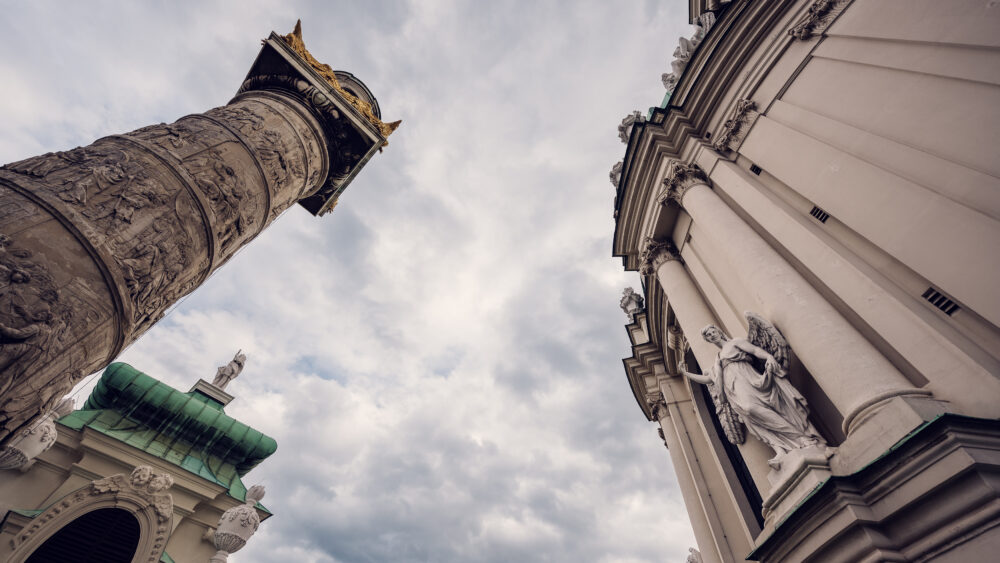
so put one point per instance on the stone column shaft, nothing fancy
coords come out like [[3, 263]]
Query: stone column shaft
[[693, 314], [850, 370], [97, 242]]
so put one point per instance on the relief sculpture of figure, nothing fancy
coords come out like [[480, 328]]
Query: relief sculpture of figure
[[749, 386], [228, 372]]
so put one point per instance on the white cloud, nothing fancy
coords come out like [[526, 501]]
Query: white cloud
[[439, 359]]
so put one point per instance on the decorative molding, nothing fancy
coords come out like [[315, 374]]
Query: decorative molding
[[629, 121], [735, 129], [821, 15], [142, 493], [680, 177], [654, 254], [659, 431]]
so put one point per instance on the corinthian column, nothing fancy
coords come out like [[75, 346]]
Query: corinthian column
[[853, 374], [98, 241]]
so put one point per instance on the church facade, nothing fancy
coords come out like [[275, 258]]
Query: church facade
[[820, 184]]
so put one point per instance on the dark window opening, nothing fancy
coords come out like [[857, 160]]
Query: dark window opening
[[106, 535], [755, 169]]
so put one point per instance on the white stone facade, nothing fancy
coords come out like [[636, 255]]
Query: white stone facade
[[830, 165]]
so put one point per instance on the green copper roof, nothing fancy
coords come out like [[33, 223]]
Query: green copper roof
[[187, 429]]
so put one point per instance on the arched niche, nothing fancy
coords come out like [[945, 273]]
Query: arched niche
[[140, 494], [105, 535]]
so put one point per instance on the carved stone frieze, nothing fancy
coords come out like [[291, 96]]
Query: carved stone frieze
[[654, 254], [821, 14], [735, 129], [680, 177]]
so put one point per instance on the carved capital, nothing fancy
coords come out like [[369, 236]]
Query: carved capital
[[735, 129], [656, 253], [680, 177], [819, 17]]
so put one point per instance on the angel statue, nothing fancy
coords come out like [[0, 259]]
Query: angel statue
[[749, 386], [228, 372]]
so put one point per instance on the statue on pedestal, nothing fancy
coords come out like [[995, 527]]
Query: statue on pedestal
[[749, 386], [228, 372]]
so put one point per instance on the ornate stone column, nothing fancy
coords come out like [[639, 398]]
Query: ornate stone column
[[97, 242], [853, 374], [693, 314]]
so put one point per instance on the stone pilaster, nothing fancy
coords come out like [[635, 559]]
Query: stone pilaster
[[97, 242]]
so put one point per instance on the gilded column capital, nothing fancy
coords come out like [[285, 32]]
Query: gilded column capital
[[680, 177], [656, 253]]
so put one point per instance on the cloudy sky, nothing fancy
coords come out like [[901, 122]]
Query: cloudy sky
[[440, 358]]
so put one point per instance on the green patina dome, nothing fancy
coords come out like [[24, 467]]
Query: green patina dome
[[187, 429]]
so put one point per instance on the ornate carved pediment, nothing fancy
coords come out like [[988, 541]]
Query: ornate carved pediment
[[735, 129], [680, 177]]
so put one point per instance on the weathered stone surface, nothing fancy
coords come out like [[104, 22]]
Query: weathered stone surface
[[97, 242]]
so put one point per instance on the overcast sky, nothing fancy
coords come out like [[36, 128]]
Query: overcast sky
[[440, 358]]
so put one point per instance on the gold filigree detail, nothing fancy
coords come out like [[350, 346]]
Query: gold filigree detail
[[294, 40]]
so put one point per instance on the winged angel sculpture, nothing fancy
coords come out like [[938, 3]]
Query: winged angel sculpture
[[749, 386]]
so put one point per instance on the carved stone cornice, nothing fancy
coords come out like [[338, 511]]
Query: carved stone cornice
[[680, 177], [820, 15], [735, 129], [654, 254]]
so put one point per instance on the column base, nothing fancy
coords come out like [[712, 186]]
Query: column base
[[800, 473], [933, 495], [876, 428]]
